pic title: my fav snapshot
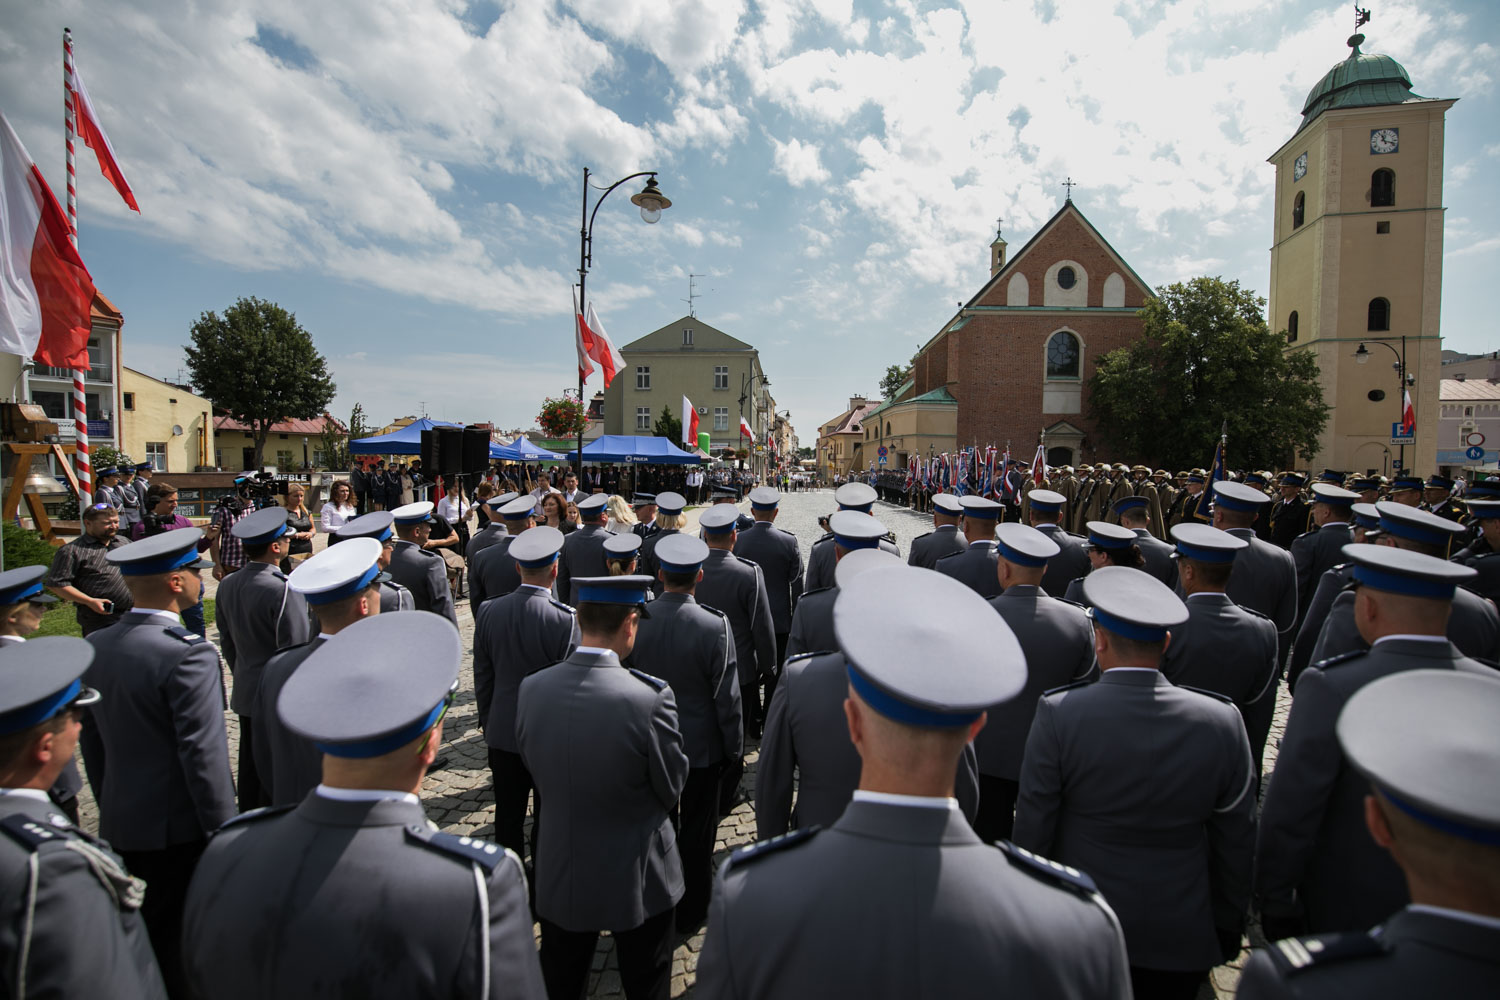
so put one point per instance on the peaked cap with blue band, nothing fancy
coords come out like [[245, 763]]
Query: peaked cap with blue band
[[1129, 503], [1427, 740], [1239, 497], [1488, 489], [520, 508], [1331, 476], [25, 584], [1046, 501], [1293, 479], [1024, 545], [40, 678], [947, 503], [375, 686], [680, 553], [982, 508], [1406, 481], [854, 529], [339, 571], [376, 525], [623, 545], [1132, 604], [861, 561], [1402, 571], [593, 505], [1439, 482], [905, 658], [1424, 527], [630, 590], [765, 498], [1103, 535], [855, 496], [163, 553], [413, 513], [1366, 515], [259, 527], [1333, 496], [720, 519], [670, 503], [536, 547], [642, 499], [1205, 544], [1483, 509]]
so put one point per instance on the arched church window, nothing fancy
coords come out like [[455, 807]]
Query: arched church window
[[1297, 208], [1380, 315], [1291, 327], [1382, 188], [1062, 355]]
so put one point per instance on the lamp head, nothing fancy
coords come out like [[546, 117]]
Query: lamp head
[[1362, 355], [651, 201]]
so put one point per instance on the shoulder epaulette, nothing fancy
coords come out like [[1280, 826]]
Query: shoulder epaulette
[[766, 847], [1297, 954], [1252, 611], [712, 611], [31, 833], [464, 848], [1334, 661], [747, 562], [952, 555], [394, 585], [927, 534], [805, 656], [1305, 534], [1067, 687], [825, 538], [562, 607], [1080, 606], [1482, 556], [1053, 872], [1212, 694], [254, 815], [191, 638], [655, 682], [817, 590]]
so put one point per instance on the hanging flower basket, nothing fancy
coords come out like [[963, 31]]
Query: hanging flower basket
[[562, 417]]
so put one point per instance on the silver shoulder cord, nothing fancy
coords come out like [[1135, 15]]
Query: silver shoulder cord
[[484, 930], [33, 867]]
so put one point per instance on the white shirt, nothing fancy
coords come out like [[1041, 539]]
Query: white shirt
[[451, 511], [169, 616], [542, 491], [27, 793], [365, 795], [1412, 638], [893, 799], [333, 517]]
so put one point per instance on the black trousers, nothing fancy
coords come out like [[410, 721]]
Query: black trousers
[[1165, 984], [697, 820], [644, 954], [252, 794], [997, 808], [167, 873], [513, 786]]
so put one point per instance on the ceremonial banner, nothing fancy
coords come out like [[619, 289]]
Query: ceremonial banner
[[95, 139]]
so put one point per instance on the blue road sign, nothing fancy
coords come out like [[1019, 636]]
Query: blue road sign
[[1397, 436], [1476, 453]]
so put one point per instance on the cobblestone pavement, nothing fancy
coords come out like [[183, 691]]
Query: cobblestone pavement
[[459, 799]]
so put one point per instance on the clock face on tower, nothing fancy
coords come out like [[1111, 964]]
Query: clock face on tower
[[1384, 140], [1299, 168]]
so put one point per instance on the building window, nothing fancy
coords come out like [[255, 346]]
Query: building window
[[887, 428], [687, 336], [1380, 315], [1291, 327], [1383, 188], [643, 418], [127, 400], [1298, 206], [1468, 411], [643, 377], [1066, 278], [319, 459], [721, 418], [156, 454], [1382, 228], [721, 376], [1062, 355]]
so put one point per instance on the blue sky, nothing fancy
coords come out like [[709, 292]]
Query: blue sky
[[405, 175]]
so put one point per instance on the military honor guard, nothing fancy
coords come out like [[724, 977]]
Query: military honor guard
[[975, 566], [944, 539], [417, 568], [257, 615], [691, 647], [850, 496], [583, 549], [1045, 511], [341, 585], [1424, 744], [492, 531], [1318, 550], [1168, 837], [162, 754], [604, 746], [1106, 545], [515, 635], [353, 891], [1316, 868], [1289, 516], [1134, 513], [378, 525], [812, 623], [106, 487], [131, 503], [901, 864], [1057, 639], [493, 572], [670, 519], [70, 915]]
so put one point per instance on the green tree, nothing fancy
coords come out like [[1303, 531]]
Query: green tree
[[259, 366], [1207, 359], [894, 378], [668, 426], [335, 443], [809, 452]]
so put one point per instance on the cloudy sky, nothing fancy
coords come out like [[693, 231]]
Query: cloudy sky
[[405, 175]]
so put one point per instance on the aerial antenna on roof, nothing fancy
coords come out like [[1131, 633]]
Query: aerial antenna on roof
[[692, 294], [1361, 16]]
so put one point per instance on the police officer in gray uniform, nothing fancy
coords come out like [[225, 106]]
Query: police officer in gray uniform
[[1425, 742], [944, 539], [1365, 526], [1316, 868], [420, 570], [850, 496], [621, 553], [70, 923], [1057, 639], [1107, 545], [583, 549], [812, 624], [1168, 836], [353, 892], [1135, 513], [977, 565], [515, 635], [493, 572], [377, 525], [1317, 551], [493, 530], [691, 647], [1071, 560], [604, 746], [165, 782], [779, 557], [956, 917], [341, 585], [1485, 518], [131, 504], [668, 505], [257, 615]]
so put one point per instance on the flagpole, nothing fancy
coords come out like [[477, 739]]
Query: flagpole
[[80, 396]]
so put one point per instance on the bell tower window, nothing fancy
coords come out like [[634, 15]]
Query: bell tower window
[[1380, 315], [1298, 206], [1291, 328], [1383, 188]]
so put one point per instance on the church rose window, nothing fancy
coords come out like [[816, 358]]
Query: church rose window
[[1062, 355], [1066, 278]]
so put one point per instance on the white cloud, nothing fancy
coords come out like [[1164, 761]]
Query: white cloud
[[691, 235], [724, 239], [799, 162]]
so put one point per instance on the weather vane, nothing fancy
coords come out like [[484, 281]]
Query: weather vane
[[1361, 16], [1070, 184]]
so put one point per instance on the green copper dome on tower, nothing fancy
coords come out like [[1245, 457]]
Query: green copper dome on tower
[[1360, 81]]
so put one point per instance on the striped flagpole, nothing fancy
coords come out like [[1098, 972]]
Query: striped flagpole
[[80, 397]]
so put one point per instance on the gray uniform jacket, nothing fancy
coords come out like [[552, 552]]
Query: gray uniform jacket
[[780, 560], [977, 567], [1224, 649], [1416, 953], [394, 597], [1068, 565], [737, 587], [648, 564], [1315, 553], [1314, 856], [516, 635], [493, 573], [289, 765], [424, 574], [483, 539], [929, 909], [812, 624], [821, 560], [131, 505], [1329, 585], [1487, 584], [941, 541], [1058, 640], [356, 899], [807, 738], [257, 614], [1158, 556], [1264, 579], [1474, 627], [582, 556], [603, 745], [70, 921], [691, 647], [160, 724], [1148, 788]]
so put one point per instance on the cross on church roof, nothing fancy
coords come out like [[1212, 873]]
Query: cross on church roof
[[1070, 184], [999, 226]]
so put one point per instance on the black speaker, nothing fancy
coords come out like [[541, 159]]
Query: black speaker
[[451, 450], [431, 452], [476, 450]]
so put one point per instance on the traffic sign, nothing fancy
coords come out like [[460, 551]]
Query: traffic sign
[[1474, 439], [882, 458], [1476, 453], [881, 451], [1398, 437]]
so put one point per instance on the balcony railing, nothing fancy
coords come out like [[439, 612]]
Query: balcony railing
[[96, 373]]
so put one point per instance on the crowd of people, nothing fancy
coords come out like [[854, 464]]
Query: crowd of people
[[1027, 755]]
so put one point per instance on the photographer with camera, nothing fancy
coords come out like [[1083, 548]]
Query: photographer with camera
[[227, 552], [161, 515]]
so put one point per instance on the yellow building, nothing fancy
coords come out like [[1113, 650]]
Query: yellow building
[[910, 426], [1356, 261], [841, 440], [292, 445], [165, 424]]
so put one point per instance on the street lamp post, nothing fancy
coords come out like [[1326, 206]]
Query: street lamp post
[[747, 382], [1362, 356], [652, 203]]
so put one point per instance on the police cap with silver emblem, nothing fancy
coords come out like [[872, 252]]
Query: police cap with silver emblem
[[593, 505], [719, 519], [1402, 571], [1046, 501], [520, 508], [853, 529], [338, 572], [623, 545], [855, 496], [376, 525], [948, 503], [260, 527], [24, 584], [1366, 515], [1425, 527], [670, 503], [765, 498], [1488, 489], [1439, 482], [163, 553], [1331, 476], [860, 561], [536, 552], [1333, 496], [40, 678], [1023, 545], [1103, 535], [680, 553], [1239, 497], [413, 513], [1202, 543], [1132, 604], [631, 590], [639, 500], [982, 508], [905, 659]]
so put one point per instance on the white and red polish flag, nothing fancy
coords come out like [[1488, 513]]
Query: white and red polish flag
[[1408, 412], [45, 290], [602, 349], [745, 430], [689, 423], [583, 341], [94, 138], [1039, 466]]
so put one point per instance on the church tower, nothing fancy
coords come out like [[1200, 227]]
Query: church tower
[[1357, 258]]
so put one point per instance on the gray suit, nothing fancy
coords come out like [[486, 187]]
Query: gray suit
[[604, 747], [1068, 565], [424, 574], [160, 723], [582, 556], [812, 624], [941, 541], [289, 765], [1314, 858], [1148, 788], [898, 902], [821, 560], [78, 924], [483, 539], [1329, 585], [515, 635], [1315, 553], [1474, 627], [394, 597], [977, 567], [257, 614], [356, 899], [780, 560], [1225, 649], [1158, 556], [691, 647], [737, 587]]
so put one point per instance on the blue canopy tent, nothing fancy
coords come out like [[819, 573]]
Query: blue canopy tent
[[631, 448], [522, 450], [406, 441]]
